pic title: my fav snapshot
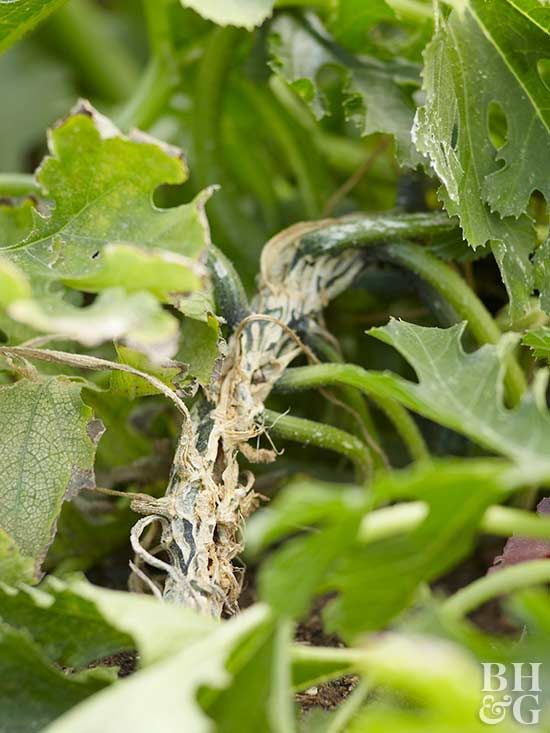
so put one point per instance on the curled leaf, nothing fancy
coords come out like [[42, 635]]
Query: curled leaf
[[136, 317]]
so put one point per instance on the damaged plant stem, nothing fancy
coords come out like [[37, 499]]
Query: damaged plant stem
[[201, 515]]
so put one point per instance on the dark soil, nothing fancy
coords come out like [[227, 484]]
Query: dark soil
[[490, 618], [125, 661], [327, 696], [112, 571], [310, 631]]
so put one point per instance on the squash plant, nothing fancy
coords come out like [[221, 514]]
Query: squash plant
[[234, 204]]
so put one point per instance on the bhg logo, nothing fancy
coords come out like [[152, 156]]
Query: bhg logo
[[523, 705]]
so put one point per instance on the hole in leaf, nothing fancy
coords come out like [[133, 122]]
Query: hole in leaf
[[497, 125], [454, 137], [95, 255], [543, 67], [168, 195]]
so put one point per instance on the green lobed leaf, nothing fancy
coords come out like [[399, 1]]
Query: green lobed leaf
[[47, 455], [19, 17], [378, 93], [102, 232], [473, 62], [246, 13], [463, 391], [90, 176], [518, 85]]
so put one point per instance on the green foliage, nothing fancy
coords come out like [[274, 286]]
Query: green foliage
[[249, 650], [377, 93], [542, 278], [171, 684], [472, 63], [13, 284], [161, 273], [200, 347], [85, 243], [334, 557], [98, 201], [14, 566], [16, 221], [118, 315], [464, 392], [427, 672], [34, 692], [351, 21], [47, 455], [48, 89], [130, 386], [68, 627], [539, 341], [21, 16]]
